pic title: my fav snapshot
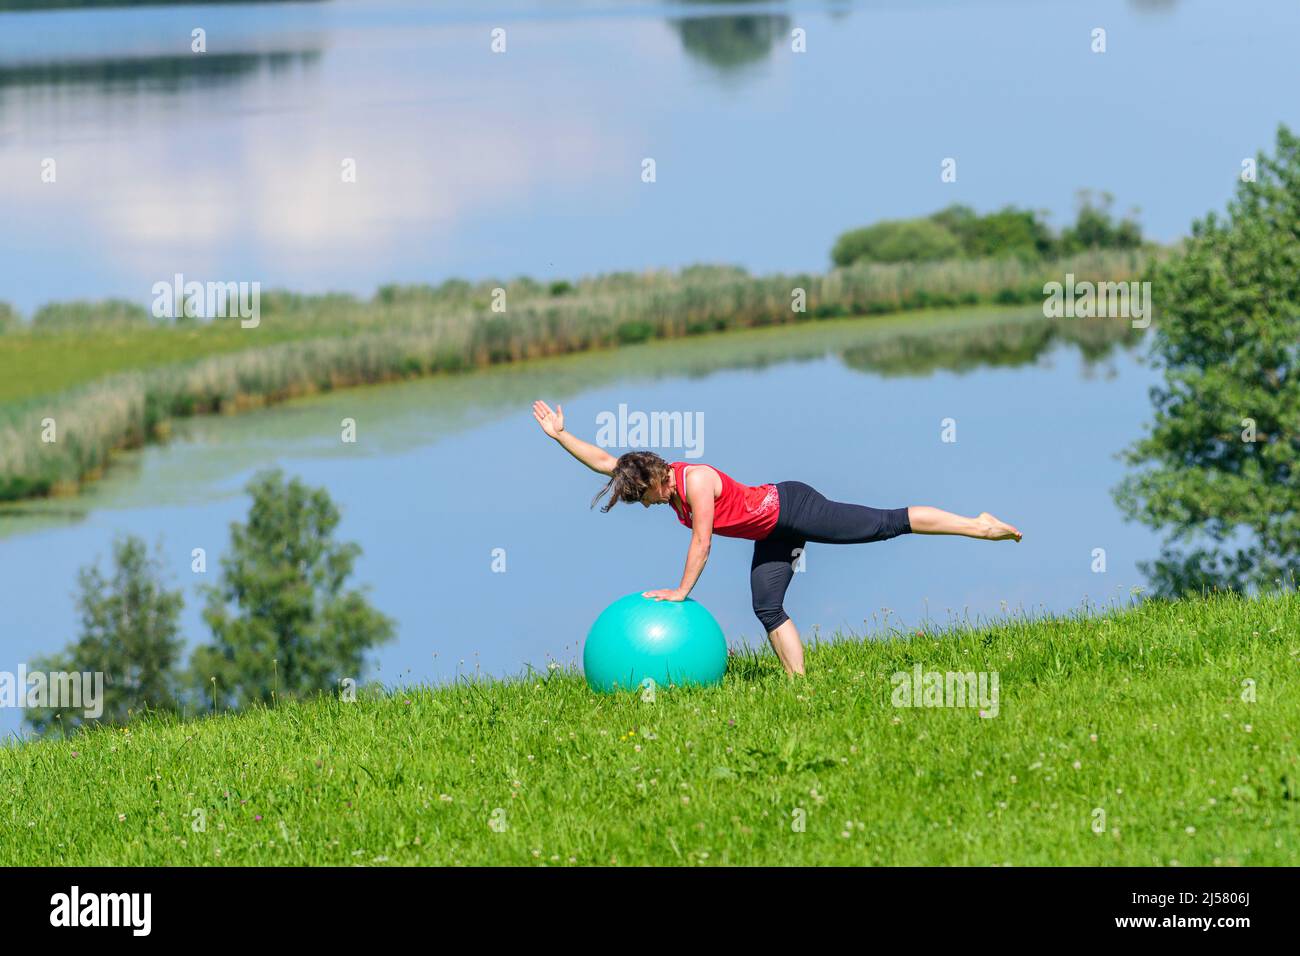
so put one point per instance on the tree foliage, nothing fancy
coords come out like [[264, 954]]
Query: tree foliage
[[896, 240], [959, 232], [1218, 469], [283, 621], [130, 633]]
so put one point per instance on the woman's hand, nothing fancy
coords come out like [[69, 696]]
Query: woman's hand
[[674, 594], [552, 422]]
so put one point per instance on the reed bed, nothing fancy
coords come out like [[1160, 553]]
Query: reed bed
[[52, 444]]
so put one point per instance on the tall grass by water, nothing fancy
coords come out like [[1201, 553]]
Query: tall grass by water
[[71, 395], [1124, 738]]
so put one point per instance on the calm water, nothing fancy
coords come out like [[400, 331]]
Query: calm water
[[446, 470], [227, 165]]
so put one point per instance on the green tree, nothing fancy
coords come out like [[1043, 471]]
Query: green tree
[[1007, 232], [1219, 471], [282, 622], [1095, 228], [130, 633], [896, 240]]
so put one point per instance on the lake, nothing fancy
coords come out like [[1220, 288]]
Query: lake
[[446, 470], [226, 166]]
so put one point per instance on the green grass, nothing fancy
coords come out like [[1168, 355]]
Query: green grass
[[37, 364], [1138, 713]]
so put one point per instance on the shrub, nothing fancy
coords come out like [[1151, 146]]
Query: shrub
[[1007, 232], [898, 240], [74, 315]]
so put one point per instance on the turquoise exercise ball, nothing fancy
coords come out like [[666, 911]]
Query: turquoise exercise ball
[[670, 642]]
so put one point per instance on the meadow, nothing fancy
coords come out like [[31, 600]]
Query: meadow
[[84, 380], [1157, 734]]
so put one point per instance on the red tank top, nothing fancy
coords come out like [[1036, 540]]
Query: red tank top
[[739, 512]]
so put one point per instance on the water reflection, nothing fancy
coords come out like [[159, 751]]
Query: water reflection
[[1006, 345], [731, 43], [155, 74], [29, 5]]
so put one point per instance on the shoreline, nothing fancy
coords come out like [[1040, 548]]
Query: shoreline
[[52, 445]]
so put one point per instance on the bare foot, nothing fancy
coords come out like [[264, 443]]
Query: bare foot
[[997, 530]]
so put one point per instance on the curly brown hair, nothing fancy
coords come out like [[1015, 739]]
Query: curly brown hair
[[633, 473]]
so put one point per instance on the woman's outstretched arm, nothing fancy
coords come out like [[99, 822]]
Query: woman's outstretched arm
[[699, 492], [552, 422]]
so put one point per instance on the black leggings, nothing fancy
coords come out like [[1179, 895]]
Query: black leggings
[[806, 515]]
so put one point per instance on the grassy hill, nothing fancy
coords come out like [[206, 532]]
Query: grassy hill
[[1144, 715]]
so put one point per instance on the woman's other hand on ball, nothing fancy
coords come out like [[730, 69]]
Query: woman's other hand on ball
[[675, 594]]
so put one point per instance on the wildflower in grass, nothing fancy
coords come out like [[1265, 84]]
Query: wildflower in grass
[[257, 817]]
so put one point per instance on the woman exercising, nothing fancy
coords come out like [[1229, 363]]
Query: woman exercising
[[779, 518]]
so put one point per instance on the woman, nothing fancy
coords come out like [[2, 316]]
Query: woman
[[779, 518]]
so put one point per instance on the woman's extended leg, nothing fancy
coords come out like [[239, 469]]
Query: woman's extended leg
[[927, 520], [807, 513]]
